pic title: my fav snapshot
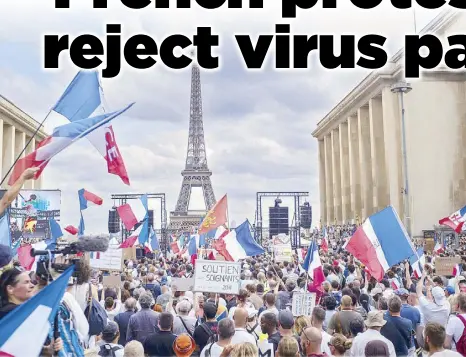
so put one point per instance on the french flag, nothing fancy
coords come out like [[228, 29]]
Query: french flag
[[61, 138], [313, 265], [38, 313], [133, 212], [87, 199], [238, 244], [417, 262], [324, 243], [395, 284], [140, 236], [82, 99], [221, 232], [456, 220], [380, 242]]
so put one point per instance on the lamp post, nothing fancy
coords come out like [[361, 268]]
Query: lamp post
[[401, 88]]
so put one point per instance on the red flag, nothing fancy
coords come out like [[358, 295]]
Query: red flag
[[115, 163], [211, 256], [129, 242], [71, 230], [216, 217]]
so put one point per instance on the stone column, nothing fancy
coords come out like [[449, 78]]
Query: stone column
[[392, 141], [336, 175], [354, 173], [344, 169], [322, 182], [379, 172], [2, 172], [8, 149], [365, 162], [329, 179], [30, 148]]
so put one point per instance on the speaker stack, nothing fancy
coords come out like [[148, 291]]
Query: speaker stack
[[306, 215], [113, 221], [278, 220]]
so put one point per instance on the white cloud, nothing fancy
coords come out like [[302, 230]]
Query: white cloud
[[257, 125]]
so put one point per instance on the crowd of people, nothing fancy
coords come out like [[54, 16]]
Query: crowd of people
[[354, 315]]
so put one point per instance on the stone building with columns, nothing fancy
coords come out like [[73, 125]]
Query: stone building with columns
[[360, 143], [16, 128]]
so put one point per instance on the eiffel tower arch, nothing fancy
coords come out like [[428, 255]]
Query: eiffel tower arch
[[196, 172]]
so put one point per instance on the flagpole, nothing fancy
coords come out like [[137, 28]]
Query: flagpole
[[25, 147]]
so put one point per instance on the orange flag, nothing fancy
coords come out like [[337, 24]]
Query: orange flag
[[216, 217]]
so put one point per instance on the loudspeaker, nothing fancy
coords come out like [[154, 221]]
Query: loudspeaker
[[113, 221], [306, 215], [151, 218], [278, 220]]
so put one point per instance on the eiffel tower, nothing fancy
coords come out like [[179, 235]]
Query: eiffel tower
[[196, 172]]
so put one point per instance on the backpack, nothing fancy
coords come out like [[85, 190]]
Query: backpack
[[96, 315], [461, 343], [108, 351], [213, 337]]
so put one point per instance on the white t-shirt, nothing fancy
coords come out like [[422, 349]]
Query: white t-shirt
[[433, 312], [325, 341], [446, 353], [215, 351], [241, 336], [455, 329]]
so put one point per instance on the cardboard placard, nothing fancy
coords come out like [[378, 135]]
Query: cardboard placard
[[303, 304], [182, 284], [211, 276], [283, 253], [129, 253], [111, 281], [444, 265]]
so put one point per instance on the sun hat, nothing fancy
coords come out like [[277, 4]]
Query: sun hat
[[184, 345], [375, 319]]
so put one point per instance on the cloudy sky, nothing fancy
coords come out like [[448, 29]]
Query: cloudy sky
[[257, 124]]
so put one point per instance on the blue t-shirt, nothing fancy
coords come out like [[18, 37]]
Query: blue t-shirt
[[399, 331]]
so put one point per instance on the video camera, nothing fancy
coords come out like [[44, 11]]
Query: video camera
[[83, 245]]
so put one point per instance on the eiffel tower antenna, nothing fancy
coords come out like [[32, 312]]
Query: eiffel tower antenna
[[196, 172]]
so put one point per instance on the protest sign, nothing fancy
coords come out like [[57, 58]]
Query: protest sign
[[303, 304], [111, 281], [112, 259], [182, 284], [212, 276], [283, 253], [444, 265]]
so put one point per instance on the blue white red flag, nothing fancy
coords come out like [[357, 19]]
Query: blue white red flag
[[417, 262], [313, 266], [238, 244], [38, 314], [381, 242], [82, 99], [86, 199], [456, 220], [140, 236], [62, 137]]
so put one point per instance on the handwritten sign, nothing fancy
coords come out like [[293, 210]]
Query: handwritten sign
[[111, 281], [112, 259], [444, 265], [212, 276], [283, 253], [303, 304]]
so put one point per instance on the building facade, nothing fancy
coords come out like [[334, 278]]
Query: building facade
[[16, 128], [360, 144]]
